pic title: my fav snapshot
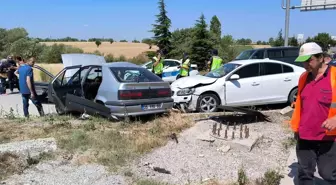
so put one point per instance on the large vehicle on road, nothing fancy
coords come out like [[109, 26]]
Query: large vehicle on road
[[284, 54]]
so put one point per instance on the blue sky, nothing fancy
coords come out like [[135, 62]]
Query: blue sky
[[132, 19]]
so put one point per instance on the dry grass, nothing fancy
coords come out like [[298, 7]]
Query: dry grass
[[129, 50], [52, 68], [110, 144], [260, 46]]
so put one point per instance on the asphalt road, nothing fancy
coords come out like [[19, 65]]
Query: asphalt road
[[14, 101]]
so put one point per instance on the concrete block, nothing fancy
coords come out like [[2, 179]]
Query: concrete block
[[287, 111]]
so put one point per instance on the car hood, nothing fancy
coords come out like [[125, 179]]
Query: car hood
[[82, 59], [192, 81]]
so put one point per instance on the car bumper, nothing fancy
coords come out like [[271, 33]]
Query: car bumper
[[135, 107], [185, 103]]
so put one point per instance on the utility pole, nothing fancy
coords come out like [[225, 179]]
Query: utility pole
[[287, 22]]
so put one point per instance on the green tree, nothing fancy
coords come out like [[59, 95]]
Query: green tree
[[98, 43], [135, 41], [201, 43], [148, 41], [259, 42], [181, 42], [123, 40], [293, 41], [111, 41], [271, 41], [324, 40], [279, 40], [215, 29], [162, 35]]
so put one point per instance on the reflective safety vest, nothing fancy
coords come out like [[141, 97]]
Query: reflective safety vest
[[158, 69], [186, 64], [295, 121], [216, 62]]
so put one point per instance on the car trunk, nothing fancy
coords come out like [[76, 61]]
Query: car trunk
[[135, 91]]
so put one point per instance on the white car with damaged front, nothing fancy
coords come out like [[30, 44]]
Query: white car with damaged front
[[238, 83]]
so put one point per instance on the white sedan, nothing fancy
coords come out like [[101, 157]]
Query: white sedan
[[238, 83], [171, 69]]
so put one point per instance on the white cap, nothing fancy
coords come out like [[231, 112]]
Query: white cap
[[307, 50]]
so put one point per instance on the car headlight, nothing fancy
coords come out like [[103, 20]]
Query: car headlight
[[185, 91]]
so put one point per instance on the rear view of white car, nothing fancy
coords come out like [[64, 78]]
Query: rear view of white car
[[238, 83], [171, 69]]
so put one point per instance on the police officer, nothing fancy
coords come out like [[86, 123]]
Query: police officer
[[158, 64], [215, 61], [185, 68]]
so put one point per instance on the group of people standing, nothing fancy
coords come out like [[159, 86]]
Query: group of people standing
[[214, 63], [20, 72]]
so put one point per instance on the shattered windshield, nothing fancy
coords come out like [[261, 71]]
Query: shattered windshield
[[245, 55], [222, 71]]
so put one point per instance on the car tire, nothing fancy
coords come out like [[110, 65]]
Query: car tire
[[210, 101], [59, 111], [292, 96]]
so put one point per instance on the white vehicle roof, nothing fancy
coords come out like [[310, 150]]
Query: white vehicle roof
[[251, 61]]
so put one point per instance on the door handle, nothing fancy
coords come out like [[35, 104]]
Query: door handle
[[287, 79], [255, 84]]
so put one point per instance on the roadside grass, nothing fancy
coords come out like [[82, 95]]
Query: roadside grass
[[98, 140]]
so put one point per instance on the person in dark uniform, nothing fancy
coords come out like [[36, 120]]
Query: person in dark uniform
[[12, 79]]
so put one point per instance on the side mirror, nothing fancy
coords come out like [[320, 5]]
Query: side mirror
[[234, 77]]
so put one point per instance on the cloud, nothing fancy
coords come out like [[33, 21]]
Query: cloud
[[85, 25]]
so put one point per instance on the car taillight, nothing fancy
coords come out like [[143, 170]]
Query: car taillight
[[165, 92], [126, 95]]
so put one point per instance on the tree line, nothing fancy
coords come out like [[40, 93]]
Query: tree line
[[198, 41]]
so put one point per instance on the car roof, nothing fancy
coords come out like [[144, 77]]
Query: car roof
[[120, 64], [251, 61]]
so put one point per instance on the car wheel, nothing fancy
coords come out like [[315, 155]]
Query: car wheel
[[59, 111], [292, 96], [207, 103]]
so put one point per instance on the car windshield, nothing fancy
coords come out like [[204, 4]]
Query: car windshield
[[245, 55], [222, 71], [134, 74]]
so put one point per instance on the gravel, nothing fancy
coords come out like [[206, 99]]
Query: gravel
[[193, 160], [63, 173], [30, 148]]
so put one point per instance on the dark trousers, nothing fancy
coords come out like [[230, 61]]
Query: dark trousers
[[159, 75], [36, 102], [312, 153], [11, 78], [2, 85]]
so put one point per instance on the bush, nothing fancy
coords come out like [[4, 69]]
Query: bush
[[109, 58]]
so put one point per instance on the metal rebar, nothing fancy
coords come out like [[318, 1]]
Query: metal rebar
[[233, 134], [234, 126], [241, 134], [218, 132], [225, 135], [214, 128], [241, 127]]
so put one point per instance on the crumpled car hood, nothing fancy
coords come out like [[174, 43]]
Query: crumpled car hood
[[192, 81]]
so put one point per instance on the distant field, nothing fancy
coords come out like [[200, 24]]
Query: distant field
[[261, 46], [129, 50]]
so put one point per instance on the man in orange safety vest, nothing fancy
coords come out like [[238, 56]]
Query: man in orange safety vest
[[314, 117]]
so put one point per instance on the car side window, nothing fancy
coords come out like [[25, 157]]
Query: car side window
[[94, 74], [274, 54], [169, 63], [291, 52], [259, 55], [287, 69], [271, 68], [249, 71]]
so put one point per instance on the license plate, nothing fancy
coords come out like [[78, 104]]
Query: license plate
[[152, 106]]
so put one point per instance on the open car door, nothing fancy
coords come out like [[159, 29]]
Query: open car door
[[62, 85], [81, 103], [42, 85]]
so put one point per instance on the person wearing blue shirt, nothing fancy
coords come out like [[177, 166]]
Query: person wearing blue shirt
[[328, 59], [27, 88]]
